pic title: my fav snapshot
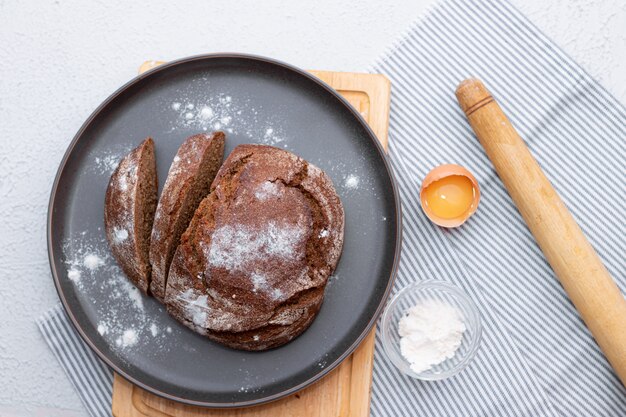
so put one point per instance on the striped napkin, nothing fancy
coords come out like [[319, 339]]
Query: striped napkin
[[536, 358]]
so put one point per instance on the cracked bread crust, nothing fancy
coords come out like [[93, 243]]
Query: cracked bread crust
[[251, 269]]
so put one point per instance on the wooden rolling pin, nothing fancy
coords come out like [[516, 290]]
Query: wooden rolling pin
[[581, 272]]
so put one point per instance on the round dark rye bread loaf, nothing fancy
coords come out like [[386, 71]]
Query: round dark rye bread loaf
[[129, 206], [251, 269], [188, 182]]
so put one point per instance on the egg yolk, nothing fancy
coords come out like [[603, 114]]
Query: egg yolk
[[450, 197]]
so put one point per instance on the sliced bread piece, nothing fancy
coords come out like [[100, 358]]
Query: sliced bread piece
[[129, 206], [188, 182]]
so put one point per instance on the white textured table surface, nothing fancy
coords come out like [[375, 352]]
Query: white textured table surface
[[59, 59]]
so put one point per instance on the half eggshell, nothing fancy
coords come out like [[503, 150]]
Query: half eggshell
[[444, 171]]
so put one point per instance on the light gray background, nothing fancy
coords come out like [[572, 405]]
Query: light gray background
[[60, 59]]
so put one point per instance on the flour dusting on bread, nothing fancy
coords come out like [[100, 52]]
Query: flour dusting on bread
[[267, 190], [237, 247]]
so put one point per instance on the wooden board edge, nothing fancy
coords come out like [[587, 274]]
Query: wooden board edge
[[122, 404], [378, 91]]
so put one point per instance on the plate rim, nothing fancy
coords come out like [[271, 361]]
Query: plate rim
[[323, 372]]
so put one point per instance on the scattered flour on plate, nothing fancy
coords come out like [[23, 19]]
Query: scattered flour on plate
[[132, 292], [105, 161], [215, 112], [352, 177], [92, 261], [206, 113], [120, 309], [270, 137], [128, 338], [351, 181], [210, 111], [74, 275]]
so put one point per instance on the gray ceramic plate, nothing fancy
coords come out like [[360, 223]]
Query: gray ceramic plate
[[254, 100]]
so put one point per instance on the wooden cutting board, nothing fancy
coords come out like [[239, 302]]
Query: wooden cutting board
[[346, 390]]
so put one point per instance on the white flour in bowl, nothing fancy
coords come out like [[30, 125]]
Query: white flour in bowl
[[430, 332]]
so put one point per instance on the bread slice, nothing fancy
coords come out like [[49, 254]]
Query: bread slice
[[129, 206], [188, 182]]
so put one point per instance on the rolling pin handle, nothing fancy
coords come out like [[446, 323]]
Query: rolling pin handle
[[472, 95]]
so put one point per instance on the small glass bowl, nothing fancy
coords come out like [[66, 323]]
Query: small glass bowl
[[438, 291]]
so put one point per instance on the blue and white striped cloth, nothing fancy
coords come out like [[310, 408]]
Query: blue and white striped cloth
[[92, 378], [537, 358]]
